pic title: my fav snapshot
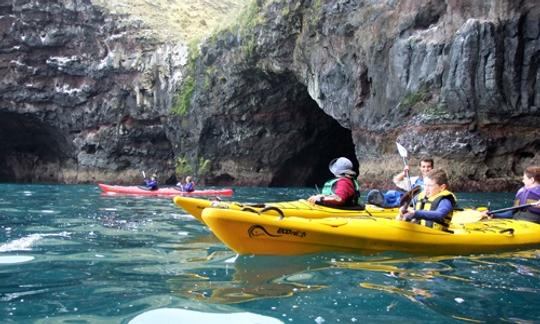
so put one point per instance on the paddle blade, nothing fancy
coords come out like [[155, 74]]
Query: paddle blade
[[408, 196], [467, 216], [402, 151]]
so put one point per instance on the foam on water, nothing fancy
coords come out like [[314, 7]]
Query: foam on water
[[232, 260], [12, 259], [25, 243], [171, 315]]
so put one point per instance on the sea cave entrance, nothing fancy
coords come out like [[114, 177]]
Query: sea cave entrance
[[323, 139], [31, 151]]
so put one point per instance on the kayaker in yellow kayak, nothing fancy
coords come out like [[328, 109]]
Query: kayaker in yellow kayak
[[343, 190], [527, 197], [401, 181], [435, 205]]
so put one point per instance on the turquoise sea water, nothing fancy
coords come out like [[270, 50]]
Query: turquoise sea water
[[71, 255]]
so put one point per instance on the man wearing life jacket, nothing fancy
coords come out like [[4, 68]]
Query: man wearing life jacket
[[434, 205], [528, 194], [343, 190], [401, 180]]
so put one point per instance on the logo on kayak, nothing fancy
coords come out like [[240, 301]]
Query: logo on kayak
[[287, 231], [258, 230]]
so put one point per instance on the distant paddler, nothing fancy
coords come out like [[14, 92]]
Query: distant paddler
[[150, 184], [527, 201]]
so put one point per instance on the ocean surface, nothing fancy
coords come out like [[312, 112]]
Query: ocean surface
[[69, 254]]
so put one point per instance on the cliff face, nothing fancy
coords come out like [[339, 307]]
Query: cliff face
[[273, 100], [84, 96], [452, 79]]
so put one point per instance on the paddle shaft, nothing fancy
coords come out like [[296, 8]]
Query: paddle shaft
[[491, 212], [403, 153], [409, 179], [407, 173]]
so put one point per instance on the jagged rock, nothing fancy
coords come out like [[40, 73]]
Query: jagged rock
[[88, 89], [272, 101], [454, 80]]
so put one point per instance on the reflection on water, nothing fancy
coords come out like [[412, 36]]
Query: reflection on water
[[459, 287], [247, 279], [69, 254]]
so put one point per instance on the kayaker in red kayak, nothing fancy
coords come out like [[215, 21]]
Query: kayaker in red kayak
[[343, 190], [189, 186], [151, 183]]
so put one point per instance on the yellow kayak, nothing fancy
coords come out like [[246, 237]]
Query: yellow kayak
[[299, 208], [302, 208], [262, 234]]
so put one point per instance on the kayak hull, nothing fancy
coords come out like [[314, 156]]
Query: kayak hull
[[166, 191], [248, 233], [303, 208], [299, 208]]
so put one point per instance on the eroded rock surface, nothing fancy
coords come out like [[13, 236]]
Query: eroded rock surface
[[272, 101], [452, 79], [84, 96]]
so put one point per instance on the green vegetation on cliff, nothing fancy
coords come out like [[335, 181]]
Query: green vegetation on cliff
[[199, 168], [183, 100], [183, 20]]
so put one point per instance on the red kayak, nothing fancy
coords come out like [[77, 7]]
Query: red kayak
[[165, 191]]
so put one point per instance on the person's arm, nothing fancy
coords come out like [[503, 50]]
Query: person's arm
[[399, 177], [445, 207], [343, 190], [404, 183], [331, 200], [506, 214]]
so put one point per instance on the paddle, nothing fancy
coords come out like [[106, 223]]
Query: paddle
[[144, 187], [473, 216], [409, 196], [403, 153], [491, 212]]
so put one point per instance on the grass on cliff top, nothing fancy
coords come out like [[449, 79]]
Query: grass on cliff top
[[178, 20]]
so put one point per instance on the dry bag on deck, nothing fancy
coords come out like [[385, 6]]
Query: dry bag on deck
[[389, 199]]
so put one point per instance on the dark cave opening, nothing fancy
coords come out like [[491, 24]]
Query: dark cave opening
[[31, 151], [323, 140]]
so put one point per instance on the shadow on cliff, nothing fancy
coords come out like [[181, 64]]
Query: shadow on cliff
[[31, 151]]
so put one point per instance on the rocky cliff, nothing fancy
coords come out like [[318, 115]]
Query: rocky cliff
[[88, 95], [456, 80], [84, 95]]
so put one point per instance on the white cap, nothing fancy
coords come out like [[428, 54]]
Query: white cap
[[341, 166]]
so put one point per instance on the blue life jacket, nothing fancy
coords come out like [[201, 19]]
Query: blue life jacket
[[419, 182], [188, 187], [151, 184]]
